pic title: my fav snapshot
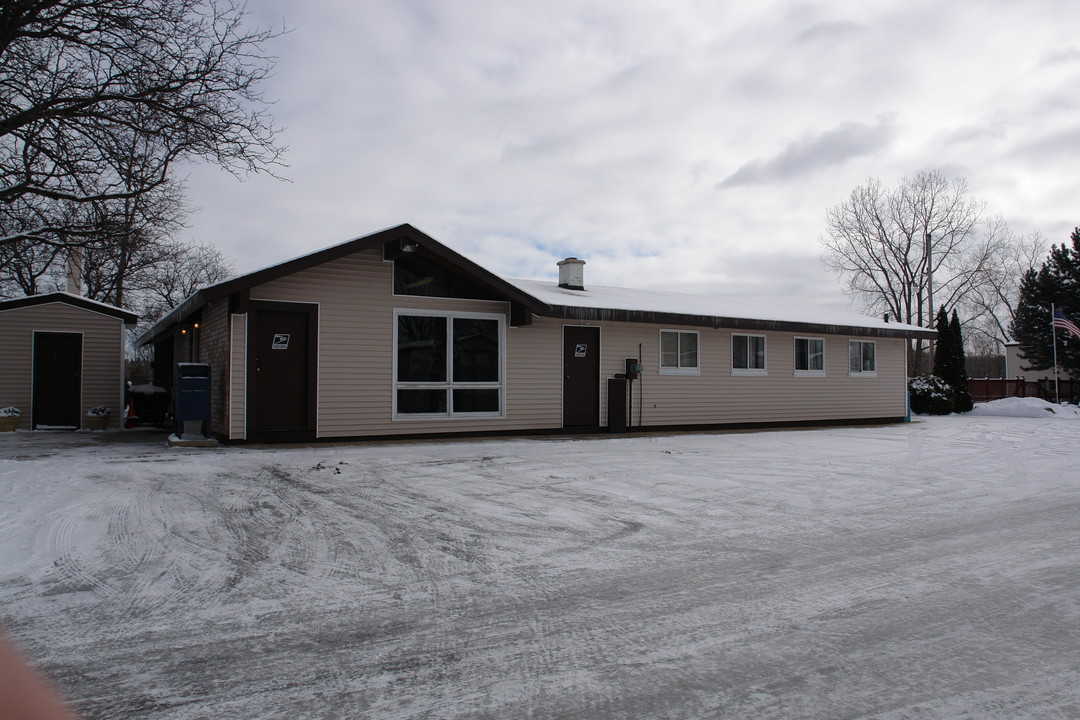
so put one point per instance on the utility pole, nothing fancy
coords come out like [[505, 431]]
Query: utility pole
[[1053, 336], [930, 300]]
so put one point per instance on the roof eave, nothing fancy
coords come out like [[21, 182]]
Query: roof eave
[[571, 312], [366, 242], [125, 316], [172, 318]]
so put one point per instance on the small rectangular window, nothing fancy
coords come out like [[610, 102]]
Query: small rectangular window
[[476, 400], [862, 357], [747, 354], [809, 356], [412, 402], [678, 352]]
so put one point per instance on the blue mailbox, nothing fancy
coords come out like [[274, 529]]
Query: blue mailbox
[[192, 399]]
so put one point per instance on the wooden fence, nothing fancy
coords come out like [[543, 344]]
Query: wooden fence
[[986, 389]]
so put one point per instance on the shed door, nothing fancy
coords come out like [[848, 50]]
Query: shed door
[[282, 398], [581, 376], [57, 392]]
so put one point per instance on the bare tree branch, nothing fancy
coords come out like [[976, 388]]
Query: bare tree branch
[[875, 241], [84, 82]]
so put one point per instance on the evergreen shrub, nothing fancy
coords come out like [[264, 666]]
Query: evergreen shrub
[[930, 395]]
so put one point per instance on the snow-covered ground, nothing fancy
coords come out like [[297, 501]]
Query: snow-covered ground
[[922, 570]]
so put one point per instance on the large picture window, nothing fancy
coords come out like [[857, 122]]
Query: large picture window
[[448, 365], [747, 354], [678, 352], [809, 356], [862, 357]]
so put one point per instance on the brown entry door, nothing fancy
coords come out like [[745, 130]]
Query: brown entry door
[[57, 380], [282, 406], [581, 376]]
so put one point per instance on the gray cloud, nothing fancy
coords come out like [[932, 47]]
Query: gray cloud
[[1061, 57], [792, 274], [989, 132], [540, 147], [830, 33], [804, 156], [523, 132], [1051, 147]]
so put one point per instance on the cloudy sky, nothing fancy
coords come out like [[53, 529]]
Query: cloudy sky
[[675, 144]]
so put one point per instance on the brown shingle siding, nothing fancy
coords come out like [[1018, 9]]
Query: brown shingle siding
[[214, 349]]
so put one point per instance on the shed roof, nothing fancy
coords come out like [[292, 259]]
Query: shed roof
[[128, 318], [547, 299]]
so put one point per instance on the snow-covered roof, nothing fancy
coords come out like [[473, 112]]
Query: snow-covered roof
[[701, 306], [128, 317]]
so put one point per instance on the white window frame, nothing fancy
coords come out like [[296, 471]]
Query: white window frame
[[449, 385], [816, 372], [764, 369], [667, 369], [860, 372]]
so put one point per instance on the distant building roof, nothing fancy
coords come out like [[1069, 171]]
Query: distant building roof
[[79, 301]]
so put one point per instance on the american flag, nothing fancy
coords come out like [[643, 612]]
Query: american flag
[[1062, 321]]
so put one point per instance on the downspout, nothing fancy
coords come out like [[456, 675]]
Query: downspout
[[907, 391], [641, 390]]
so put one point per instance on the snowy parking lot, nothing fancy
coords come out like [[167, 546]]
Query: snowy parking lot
[[922, 570]]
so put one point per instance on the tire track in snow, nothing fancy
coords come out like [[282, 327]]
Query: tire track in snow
[[333, 536], [79, 566], [268, 524], [139, 551], [185, 520]]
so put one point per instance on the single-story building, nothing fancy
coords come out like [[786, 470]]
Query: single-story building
[[63, 354], [1015, 366], [395, 334]]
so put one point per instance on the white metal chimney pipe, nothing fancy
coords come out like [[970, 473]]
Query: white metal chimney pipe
[[572, 273], [73, 271]]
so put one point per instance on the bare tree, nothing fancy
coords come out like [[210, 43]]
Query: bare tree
[[27, 268], [181, 269], [184, 270], [132, 245], [991, 303], [86, 86], [877, 242]]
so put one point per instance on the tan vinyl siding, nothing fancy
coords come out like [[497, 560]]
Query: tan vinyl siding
[[237, 378], [716, 395], [356, 353], [102, 356], [534, 374], [355, 366]]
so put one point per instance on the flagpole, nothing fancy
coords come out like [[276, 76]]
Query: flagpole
[[1053, 333]]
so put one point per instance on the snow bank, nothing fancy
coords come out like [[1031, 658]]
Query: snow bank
[[1026, 407]]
